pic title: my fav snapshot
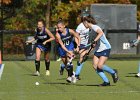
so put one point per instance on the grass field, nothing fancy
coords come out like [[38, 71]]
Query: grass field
[[17, 83]]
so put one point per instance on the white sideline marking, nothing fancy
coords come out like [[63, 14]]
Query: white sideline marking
[[1, 70]]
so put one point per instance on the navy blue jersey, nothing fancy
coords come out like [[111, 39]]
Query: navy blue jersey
[[66, 39], [41, 36]]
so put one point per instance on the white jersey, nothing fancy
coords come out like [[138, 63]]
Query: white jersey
[[103, 43], [84, 33]]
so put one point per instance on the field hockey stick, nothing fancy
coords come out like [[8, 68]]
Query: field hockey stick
[[134, 43], [86, 56], [70, 60], [88, 46]]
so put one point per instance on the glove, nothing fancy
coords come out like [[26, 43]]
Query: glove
[[93, 44]]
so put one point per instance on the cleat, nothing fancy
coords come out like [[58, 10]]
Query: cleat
[[115, 76], [137, 75], [47, 73], [59, 59], [77, 77], [73, 79], [69, 79], [105, 84], [36, 73]]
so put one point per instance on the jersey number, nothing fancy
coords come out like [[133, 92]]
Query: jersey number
[[66, 42]]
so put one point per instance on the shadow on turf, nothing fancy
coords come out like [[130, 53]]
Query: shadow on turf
[[31, 75], [132, 75], [97, 85], [62, 83]]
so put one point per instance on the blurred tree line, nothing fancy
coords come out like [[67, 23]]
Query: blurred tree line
[[27, 12], [23, 15]]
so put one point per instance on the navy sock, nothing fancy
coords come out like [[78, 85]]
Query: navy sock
[[70, 70], [37, 64], [47, 63]]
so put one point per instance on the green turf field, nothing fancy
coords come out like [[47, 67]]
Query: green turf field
[[17, 83]]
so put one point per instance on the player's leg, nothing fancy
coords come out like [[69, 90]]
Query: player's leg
[[64, 60], [98, 62], [138, 74], [62, 67], [37, 61], [113, 72], [61, 54], [47, 63], [69, 66], [70, 69], [79, 64]]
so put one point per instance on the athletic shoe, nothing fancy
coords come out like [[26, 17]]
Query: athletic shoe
[[69, 79], [73, 79], [77, 77], [138, 74], [105, 84], [47, 73], [59, 59], [115, 76], [36, 73]]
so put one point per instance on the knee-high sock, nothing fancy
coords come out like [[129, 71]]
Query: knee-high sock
[[37, 65], [139, 68], [108, 69], [78, 69], [102, 75], [70, 70], [47, 63]]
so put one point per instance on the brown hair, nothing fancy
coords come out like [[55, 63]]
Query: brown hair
[[60, 21], [89, 19], [41, 20]]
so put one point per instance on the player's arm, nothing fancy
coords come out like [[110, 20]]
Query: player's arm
[[100, 33], [33, 39], [61, 43], [30, 41], [50, 35]]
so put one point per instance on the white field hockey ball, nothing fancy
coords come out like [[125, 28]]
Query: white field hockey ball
[[36, 83]]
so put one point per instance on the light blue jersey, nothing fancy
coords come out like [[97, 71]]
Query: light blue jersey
[[103, 43]]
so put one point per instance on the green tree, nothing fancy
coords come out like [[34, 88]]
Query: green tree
[[27, 15], [69, 11]]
